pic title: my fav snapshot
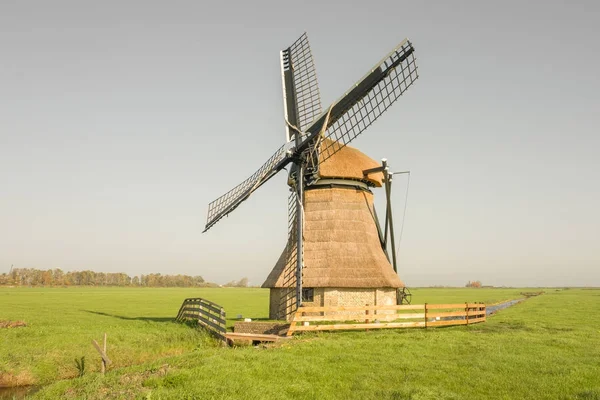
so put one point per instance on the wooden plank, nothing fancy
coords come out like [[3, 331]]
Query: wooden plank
[[195, 313], [360, 308], [406, 315], [212, 324], [448, 322], [343, 317], [474, 320], [217, 310], [475, 305], [474, 313], [214, 320], [208, 315], [440, 306], [254, 336], [359, 326], [189, 309], [462, 313]]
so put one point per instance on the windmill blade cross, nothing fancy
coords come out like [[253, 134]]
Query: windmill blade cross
[[343, 121], [364, 102]]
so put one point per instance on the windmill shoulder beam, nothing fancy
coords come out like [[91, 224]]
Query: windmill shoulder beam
[[374, 170]]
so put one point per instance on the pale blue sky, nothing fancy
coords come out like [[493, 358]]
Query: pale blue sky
[[121, 120]]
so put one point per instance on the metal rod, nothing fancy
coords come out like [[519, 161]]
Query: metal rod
[[388, 192], [300, 232], [380, 234]]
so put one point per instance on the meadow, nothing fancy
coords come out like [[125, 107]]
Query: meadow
[[547, 347]]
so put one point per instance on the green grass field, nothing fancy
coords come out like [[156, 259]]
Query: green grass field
[[547, 347]]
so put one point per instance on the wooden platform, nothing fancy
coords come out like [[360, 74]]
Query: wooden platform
[[254, 337]]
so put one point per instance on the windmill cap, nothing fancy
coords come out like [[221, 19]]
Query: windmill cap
[[348, 163]]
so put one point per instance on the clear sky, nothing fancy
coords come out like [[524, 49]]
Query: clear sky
[[121, 120]]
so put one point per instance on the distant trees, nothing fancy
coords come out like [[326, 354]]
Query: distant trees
[[158, 280], [474, 284], [57, 277], [241, 283]]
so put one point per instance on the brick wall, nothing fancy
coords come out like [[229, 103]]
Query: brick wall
[[351, 297], [334, 297]]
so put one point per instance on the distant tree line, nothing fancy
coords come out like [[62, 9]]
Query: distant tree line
[[475, 284], [57, 277], [241, 283]]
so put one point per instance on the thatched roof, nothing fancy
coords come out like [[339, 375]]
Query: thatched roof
[[341, 244], [348, 162]]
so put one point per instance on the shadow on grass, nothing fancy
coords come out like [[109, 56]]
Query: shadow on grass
[[500, 327], [153, 319]]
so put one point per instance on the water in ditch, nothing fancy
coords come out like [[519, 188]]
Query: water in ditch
[[17, 392]]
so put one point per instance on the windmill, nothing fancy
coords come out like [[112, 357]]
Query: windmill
[[316, 151]]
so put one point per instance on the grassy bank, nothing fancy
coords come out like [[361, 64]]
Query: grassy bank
[[61, 322], [546, 347]]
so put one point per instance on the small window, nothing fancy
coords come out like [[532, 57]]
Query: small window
[[308, 295]]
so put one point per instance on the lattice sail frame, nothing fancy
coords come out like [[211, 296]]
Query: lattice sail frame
[[308, 97], [228, 202], [400, 72], [287, 300]]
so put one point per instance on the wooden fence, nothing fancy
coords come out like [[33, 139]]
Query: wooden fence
[[208, 314], [380, 317]]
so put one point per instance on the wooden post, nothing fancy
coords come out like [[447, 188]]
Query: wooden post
[[105, 360], [425, 315], [467, 312], [367, 320], [222, 316], [290, 331], [104, 349]]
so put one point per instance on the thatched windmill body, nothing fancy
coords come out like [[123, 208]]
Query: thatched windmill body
[[336, 250]]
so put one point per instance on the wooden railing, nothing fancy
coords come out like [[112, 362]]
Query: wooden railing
[[208, 314], [380, 317]]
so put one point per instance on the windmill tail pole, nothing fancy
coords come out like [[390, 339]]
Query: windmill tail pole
[[300, 233], [388, 194]]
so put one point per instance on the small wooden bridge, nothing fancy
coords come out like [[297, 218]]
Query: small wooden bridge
[[212, 317]]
